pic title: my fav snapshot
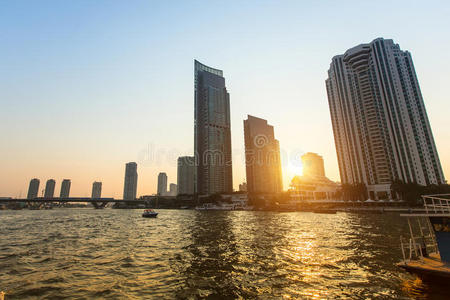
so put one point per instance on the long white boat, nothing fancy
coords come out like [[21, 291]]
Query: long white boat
[[427, 251]]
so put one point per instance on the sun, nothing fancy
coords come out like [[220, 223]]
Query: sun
[[295, 168]]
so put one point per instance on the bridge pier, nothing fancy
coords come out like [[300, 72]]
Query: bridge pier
[[99, 205]]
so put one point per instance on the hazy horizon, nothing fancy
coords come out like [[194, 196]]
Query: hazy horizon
[[89, 86]]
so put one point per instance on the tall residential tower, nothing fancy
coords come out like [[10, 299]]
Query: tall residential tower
[[380, 124], [212, 135], [130, 182], [96, 190], [162, 184], [49, 188], [65, 189], [33, 189]]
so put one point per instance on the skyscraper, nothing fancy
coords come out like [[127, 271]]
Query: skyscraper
[[96, 190], [313, 165], [162, 184], [185, 175], [49, 188], [212, 135], [262, 157], [380, 124], [130, 183], [65, 189], [33, 188], [173, 189]]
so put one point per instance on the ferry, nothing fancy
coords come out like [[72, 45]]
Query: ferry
[[149, 213], [427, 251]]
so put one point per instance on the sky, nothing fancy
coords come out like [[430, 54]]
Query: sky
[[86, 86]]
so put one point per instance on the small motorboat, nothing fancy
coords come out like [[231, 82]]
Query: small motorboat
[[149, 213]]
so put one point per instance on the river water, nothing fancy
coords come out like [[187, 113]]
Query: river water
[[117, 254]]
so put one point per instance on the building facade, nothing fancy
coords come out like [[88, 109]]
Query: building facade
[[33, 188], [162, 184], [173, 191], [212, 134], [130, 182], [96, 190], [380, 124], [262, 157], [186, 175], [313, 185], [65, 189], [313, 165], [50, 188]]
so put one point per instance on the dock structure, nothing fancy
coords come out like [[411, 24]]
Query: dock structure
[[427, 251]]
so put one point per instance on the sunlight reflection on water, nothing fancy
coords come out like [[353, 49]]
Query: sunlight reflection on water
[[116, 254]]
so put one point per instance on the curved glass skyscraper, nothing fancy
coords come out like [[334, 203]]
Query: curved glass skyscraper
[[212, 137]]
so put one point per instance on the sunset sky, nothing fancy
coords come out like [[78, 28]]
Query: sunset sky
[[86, 86]]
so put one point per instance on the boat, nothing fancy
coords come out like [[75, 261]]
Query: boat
[[427, 251], [149, 213]]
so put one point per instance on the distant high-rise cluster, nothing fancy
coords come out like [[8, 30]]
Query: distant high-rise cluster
[[212, 136], [130, 182], [380, 124], [262, 157]]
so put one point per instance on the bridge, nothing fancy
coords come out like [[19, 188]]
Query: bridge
[[96, 202]]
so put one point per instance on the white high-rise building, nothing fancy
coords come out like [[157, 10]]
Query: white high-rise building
[[162, 184], [130, 182], [380, 124], [186, 175]]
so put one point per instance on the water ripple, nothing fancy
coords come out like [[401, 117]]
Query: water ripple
[[116, 254]]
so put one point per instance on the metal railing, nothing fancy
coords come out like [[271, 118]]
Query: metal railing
[[416, 248], [436, 204]]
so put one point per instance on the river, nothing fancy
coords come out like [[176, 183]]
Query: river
[[117, 254]]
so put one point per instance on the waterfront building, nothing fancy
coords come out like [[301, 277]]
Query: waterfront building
[[186, 175], [96, 190], [65, 189], [212, 135], [380, 125], [162, 184], [130, 182], [33, 189], [173, 189], [313, 185], [49, 188], [262, 157]]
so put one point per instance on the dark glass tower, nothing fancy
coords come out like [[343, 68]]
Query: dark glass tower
[[212, 140]]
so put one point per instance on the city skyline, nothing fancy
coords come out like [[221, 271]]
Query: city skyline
[[282, 83]]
